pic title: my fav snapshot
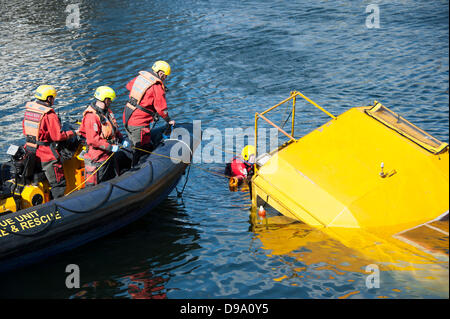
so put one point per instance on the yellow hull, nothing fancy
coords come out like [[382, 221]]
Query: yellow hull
[[368, 178], [331, 177]]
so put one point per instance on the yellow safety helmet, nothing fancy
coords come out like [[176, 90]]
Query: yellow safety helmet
[[104, 92], [248, 151], [44, 91], [161, 66]]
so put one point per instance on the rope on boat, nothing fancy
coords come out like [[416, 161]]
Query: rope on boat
[[103, 201], [189, 164], [78, 187], [179, 194]]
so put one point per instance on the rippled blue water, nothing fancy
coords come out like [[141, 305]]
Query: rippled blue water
[[229, 59]]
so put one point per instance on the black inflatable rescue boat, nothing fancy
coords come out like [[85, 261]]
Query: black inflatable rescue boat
[[35, 233]]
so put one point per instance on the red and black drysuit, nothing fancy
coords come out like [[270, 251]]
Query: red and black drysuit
[[239, 168], [101, 131]]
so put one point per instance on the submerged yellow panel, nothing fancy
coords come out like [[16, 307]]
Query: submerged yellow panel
[[356, 171]]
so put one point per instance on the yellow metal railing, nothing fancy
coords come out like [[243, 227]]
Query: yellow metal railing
[[292, 97]]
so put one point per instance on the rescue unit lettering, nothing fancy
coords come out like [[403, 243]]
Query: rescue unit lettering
[[25, 222]]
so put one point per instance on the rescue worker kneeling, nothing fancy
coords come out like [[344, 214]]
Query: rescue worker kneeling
[[241, 167], [103, 137], [42, 129]]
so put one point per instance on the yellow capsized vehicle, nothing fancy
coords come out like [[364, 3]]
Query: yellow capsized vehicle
[[368, 169]]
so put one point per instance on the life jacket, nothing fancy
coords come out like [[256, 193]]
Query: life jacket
[[34, 113], [32, 122], [108, 122], [143, 82]]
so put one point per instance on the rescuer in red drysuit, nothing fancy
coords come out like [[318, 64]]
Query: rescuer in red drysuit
[[147, 102], [42, 129], [103, 137], [241, 167]]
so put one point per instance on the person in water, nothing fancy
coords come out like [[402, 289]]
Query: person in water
[[241, 167], [42, 129], [100, 129], [147, 102]]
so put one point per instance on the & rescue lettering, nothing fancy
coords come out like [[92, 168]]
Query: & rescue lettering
[[25, 222]]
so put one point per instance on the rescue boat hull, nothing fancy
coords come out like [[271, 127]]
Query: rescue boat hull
[[34, 234]]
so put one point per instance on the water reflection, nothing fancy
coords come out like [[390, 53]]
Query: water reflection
[[141, 285], [129, 263], [337, 260]]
